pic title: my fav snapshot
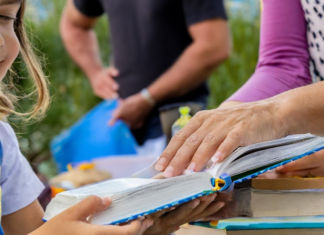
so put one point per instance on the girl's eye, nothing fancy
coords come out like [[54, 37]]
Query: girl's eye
[[6, 18]]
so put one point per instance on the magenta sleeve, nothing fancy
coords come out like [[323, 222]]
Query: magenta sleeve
[[283, 54]]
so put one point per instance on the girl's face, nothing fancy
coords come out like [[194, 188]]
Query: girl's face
[[9, 44]]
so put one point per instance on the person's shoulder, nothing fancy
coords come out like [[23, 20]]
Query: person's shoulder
[[6, 130], [7, 134]]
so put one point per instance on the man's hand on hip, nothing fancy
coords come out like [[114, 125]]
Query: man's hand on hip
[[103, 83], [132, 111]]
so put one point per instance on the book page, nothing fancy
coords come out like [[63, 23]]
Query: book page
[[273, 155], [241, 152], [110, 187]]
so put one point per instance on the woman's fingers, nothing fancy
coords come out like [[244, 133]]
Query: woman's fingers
[[183, 157], [177, 142], [204, 144], [312, 161], [207, 149], [216, 134], [179, 216], [232, 141], [313, 172], [201, 208], [158, 214], [211, 210], [302, 173]]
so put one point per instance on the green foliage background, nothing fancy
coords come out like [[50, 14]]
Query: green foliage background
[[71, 91]]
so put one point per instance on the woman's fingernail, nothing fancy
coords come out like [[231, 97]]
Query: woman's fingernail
[[168, 173], [192, 166], [160, 164], [217, 157], [159, 167]]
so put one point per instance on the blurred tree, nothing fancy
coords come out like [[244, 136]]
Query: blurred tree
[[240, 66], [72, 95]]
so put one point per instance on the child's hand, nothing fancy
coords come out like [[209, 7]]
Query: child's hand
[[312, 165], [74, 221]]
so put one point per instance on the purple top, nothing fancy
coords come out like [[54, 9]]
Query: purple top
[[283, 55]]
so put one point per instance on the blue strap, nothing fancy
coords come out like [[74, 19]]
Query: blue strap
[[1, 231]]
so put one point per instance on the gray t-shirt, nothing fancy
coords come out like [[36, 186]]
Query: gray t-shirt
[[147, 38], [20, 186]]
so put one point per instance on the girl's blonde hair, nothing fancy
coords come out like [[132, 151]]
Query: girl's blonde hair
[[34, 69]]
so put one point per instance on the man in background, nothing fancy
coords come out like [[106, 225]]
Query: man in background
[[163, 53]]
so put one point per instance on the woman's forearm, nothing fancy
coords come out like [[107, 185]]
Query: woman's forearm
[[302, 110]]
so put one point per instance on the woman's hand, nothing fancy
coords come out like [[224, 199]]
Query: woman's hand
[[168, 222], [74, 221], [312, 166], [217, 133]]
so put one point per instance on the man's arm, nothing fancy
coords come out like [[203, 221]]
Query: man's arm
[[81, 42], [28, 219], [211, 46]]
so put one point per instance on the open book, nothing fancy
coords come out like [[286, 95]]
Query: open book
[[133, 197]]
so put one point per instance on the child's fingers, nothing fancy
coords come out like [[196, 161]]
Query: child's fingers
[[87, 207], [136, 227]]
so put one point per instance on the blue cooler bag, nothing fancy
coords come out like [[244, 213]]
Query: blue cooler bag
[[91, 137]]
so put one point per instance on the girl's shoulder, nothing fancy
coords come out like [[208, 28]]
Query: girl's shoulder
[[20, 186], [6, 129], [7, 135]]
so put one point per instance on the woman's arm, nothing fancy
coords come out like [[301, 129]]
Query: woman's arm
[[217, 133], [283, 57]]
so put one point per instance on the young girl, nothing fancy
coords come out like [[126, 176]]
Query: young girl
[[19, 187]]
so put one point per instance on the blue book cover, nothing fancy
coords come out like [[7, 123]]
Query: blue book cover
[[310, 222]]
